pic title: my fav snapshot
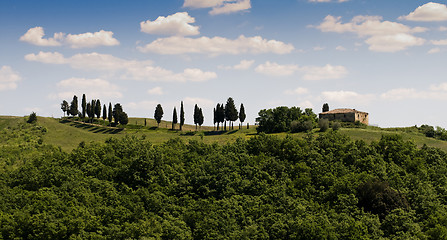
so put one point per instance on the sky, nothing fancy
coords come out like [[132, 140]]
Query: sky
[[387, 58]]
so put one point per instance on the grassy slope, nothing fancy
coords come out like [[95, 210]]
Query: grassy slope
[[68, 135]]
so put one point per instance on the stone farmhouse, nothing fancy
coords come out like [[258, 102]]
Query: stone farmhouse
[[346, 115]]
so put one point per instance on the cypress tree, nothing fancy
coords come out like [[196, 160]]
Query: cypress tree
[[196, 115], [325, 107], [117, 110], [74, 106], [214, 118], [92, 110], [242, 115], [110, 113], [182, 116], [104, 113], [88, 110], [158, 115], [174, 118], [84, 105], [231, 111], [98, 109], [200, 118]]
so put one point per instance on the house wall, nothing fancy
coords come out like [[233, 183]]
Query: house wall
[[347, 117]]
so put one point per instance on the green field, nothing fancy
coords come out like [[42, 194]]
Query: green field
[[67, 134]]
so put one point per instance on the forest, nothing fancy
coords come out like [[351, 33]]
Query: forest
[[323, 186]]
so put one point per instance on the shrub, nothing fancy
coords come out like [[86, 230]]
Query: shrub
[[336, 126], [323, 124], [32, 118], [301, 126]]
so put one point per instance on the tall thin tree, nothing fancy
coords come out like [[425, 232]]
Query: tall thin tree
[[242, 115], [158, 114], [74, 106], [231, 111], [64, 106], [104, 113], [110, 113], [174, 118], [83, 105], [196, 115], [182, 116], [98, 108], [200, 118]]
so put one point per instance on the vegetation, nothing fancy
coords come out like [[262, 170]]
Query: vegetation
[[158, 114], [319, 186], [325, 108], [284, 119], [32, 118]]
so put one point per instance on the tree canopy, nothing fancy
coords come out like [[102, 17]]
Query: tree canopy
[[158, 114]]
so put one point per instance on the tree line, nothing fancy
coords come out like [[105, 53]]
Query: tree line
[[92, 109]]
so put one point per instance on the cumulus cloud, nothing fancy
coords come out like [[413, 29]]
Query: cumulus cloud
[[346, 97], [382, 36], [434, 92], [155, 91], [309, 72], [439, 42], [429, 12], [96, 88], [129, 69], [326, 72], [242, 65], [178, 24], [340, 48], [36, 35], [8, 78], [297, 91], [275, 69], [219, 6], [216, 46], [434, 50]]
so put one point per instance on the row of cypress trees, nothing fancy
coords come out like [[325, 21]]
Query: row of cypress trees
[[93, 108]]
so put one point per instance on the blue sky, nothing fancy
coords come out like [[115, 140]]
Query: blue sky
[[383, 57]]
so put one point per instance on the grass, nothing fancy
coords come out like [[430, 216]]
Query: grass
[[68, 134]]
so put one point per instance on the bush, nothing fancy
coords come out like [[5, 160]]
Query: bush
[[323, 124], [336, 126], [301, 126], [32, 118]]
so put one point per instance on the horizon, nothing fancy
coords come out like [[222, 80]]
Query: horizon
[[375, 56]]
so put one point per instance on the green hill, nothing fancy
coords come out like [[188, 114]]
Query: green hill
[[68, 135]]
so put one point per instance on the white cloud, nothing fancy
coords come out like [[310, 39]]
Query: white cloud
[[429, 12], [340, 48], [297, 91], [94, 88], [8, 78], [231, 7], [442, 29], [155, 91], [346, 97], [216, 46], [130, 69], [89, 40], [219, 6], [435, 92], [318, 48], [243, 65], [35, 36], [84, 40], [178, 24], [306, 104], [382, 36], [439, 42], [434, 50], [309, 72], [326, 72], [275, 69]]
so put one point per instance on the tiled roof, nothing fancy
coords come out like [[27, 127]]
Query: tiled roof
[[343, 110]]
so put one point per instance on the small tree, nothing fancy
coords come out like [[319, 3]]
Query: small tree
[[200, 118], [74, 106], [124, 119], [117, 110], [325, 107], [89, 110], [84, 105], [104, 113], [92, 110], [182, 116], [214, 118], [158, 115], [242, 115], [98, 109], [110, 113], [174, 118], [64, 106], [231, 111], [323, 124], [196, 115], [32, 118]]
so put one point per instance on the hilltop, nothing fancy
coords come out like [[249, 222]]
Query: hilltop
[[68, 135]]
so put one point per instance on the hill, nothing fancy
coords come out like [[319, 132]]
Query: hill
[[68, 135]]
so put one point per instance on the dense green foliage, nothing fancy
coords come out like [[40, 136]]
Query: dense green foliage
[[325, 187], [32, 118], [284, 119], [158, 114]]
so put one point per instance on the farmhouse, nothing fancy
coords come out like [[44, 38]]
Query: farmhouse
[[345, 115]]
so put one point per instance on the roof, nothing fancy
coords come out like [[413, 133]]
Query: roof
[[343, 110]]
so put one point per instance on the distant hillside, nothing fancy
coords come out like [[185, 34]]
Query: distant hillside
[[68, 135]]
